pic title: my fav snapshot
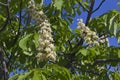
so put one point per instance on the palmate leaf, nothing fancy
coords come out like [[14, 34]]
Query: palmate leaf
[[112, 24], [115, 76], [58, 4], [22, 76], [84, 52], [49, 72], [107, 23], [23, 41], [38, 75], [118, 39], [118, 53]]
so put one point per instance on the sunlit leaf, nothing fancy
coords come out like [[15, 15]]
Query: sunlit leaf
[[118, 53], [112, 25], [58, 4], [118, 39], [36, 38], [23, 41], [84, 52]]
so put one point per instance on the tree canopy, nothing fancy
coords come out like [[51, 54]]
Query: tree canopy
[[36, 37]]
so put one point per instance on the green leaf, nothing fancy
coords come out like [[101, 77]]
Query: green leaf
[[36, 76], [118, 39], [118, 53], [58, 4], [24, 76], [23, 41], [78, 10], [36, 37], [98, 52], [54, 27], [14, 77], [115, 29], [1, 17], [70, 20], [84, 52], [28, 53], [60, 72], [112, 25], [43, 77]]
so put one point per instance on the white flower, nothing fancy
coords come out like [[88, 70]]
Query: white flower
[[40, 13], [42, 43], [96, 42], [96, 37], [46, 41], [102, 41], [87, 29], [40, 40], [51, 46], [93, 33], [40, 48], [89, 34], [44, 27], [41, 56], [81, 20], [82, 24], [87, 39], [51, 39], [46, 35], [45, 24], [52, 57], [44, 31], [48, 50]]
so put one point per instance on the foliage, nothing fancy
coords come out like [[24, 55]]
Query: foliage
[[19, 36]]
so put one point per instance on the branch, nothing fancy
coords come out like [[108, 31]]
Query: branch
[[76, 46], [2, 4], [8, 17], [20, 19], [3, 66], [20, 13], [83, 6], [89, 71], [90, 12], [70, 44], [98, 61], [98, 6], [4, 25]]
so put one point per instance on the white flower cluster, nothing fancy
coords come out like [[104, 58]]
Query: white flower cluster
[[46, 49], [89, 36]]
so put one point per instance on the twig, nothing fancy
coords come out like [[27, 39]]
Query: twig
[[3, 66], [98, 61], [8, 17], [90, 12], [79, 43], [20, 18], [89, 71], [83, 6], [98, 6], [70, 44], [3, 4], [4, 25]]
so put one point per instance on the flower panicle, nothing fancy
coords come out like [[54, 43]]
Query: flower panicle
[[46, 48], [90, 37]]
